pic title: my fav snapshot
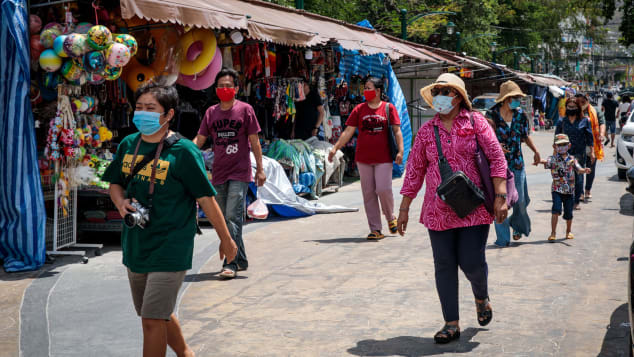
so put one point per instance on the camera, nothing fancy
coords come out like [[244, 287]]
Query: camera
[[140, 217]]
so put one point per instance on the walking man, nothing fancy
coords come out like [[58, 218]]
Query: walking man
[[609, 107], [233, 128]]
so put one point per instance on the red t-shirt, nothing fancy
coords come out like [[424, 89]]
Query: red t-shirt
[[372, 142]]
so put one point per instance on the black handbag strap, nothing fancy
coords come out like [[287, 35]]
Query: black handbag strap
[[443, 165]]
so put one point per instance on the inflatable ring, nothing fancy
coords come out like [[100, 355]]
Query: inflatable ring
[[196, 57], [137, 74], [204, 79]]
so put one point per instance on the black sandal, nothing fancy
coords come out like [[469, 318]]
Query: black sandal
[[447, 334], [484, 316]]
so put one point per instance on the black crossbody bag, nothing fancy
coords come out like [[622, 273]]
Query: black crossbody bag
[[456, 189]]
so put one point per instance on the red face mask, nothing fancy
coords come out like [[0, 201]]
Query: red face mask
[[226, 94], [369, 94]]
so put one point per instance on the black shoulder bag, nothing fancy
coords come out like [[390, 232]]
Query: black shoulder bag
[[456, 189], [391, 140]]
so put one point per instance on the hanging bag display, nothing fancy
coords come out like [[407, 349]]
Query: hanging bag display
[[485, 175], [456, 189], [391, 140]]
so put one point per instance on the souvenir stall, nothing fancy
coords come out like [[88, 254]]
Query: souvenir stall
[[79, 107]]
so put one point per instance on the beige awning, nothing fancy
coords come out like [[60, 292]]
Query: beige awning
[[269, 22]]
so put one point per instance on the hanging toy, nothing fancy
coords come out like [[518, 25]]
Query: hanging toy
[[111, 73], [83, 27], [94, 62], [48, 36], [99, 37], [50, 61], [58, 46], [75, 45], [129, 41], [117, 55], [71, 70]]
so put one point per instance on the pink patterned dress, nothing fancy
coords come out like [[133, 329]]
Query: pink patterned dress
[[459, 147]]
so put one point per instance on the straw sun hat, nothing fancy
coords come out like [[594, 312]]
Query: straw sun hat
[[509, 89], [446, 80]]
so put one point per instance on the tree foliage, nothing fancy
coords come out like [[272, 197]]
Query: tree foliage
[[540, 26]]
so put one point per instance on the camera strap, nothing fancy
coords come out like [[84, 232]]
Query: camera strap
[[147, 159], [443, 165]]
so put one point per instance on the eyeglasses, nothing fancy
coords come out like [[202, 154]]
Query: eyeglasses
[[444, 91]]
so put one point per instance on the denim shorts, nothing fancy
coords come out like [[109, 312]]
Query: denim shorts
[[566, 200], [610, 126]]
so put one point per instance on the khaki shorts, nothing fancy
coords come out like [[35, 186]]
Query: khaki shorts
[[154, 294]]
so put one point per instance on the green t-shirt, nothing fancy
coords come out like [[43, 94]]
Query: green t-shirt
[[167, 242]]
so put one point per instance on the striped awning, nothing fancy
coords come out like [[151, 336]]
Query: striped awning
[[22, 215], [271, 23]]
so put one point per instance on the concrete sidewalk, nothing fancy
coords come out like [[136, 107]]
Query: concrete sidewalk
[[316, 287]]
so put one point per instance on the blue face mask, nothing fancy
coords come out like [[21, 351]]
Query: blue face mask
[[147, 122], [442, 104], [514, 104]]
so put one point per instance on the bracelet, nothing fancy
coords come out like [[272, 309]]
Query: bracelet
[[502, 195]]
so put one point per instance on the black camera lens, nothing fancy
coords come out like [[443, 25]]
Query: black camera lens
[[130, 220]]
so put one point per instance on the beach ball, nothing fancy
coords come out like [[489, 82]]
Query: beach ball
[[35, 24], [53, 25], [50, 80], [95, 78], [111, 73], [129, 41], [117, 55], [75, 45], [99, 37], [36, 47], [58, 46], [48, 36], [71, 70], [94, 62], [83, 27], [50, 61]]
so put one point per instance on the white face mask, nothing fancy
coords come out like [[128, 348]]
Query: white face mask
[[561, 150], [442, 104]]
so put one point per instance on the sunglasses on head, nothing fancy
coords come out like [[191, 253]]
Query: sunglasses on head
[[444, 91]]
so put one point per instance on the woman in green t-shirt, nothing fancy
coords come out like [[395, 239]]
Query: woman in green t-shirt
[[158, 248]]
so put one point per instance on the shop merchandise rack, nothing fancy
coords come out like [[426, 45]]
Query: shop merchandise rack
[[61, 228]]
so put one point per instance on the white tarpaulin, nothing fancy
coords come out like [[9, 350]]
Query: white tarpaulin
[[277, 190]]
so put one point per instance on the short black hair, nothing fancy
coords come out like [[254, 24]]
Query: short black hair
[[167, 96], [609, 95], [228, 72]]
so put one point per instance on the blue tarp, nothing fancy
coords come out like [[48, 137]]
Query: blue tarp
[[353, 63], [22, 215]]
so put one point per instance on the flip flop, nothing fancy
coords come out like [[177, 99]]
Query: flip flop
[[227, 273], [447, 334], [375, 235], [393, 224], [517, 236], [570, 236], [552, 238]]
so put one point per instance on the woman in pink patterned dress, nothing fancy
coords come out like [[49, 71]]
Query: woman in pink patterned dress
[[456, 242]]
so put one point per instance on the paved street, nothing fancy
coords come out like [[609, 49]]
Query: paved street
[[316, 287]]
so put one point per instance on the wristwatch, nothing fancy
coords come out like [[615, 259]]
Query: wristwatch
[[502, 195]]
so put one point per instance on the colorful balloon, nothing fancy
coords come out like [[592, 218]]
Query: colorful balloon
[[50, 61], [111, 73], [53, 25], [58, 46], [99, 37], [75, 45], [129, 41], [83, 27], [117, 55], [35, 24], [94, 62], [48, 36], [50, 80], [71, 70]]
